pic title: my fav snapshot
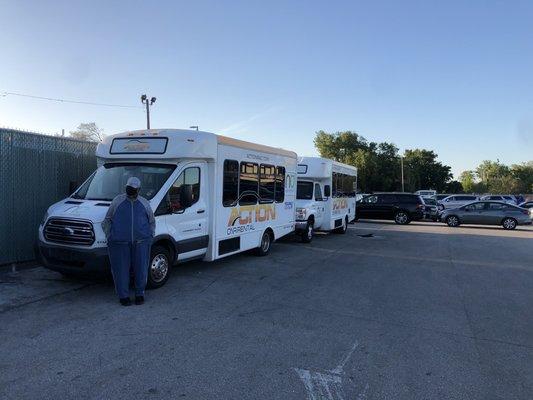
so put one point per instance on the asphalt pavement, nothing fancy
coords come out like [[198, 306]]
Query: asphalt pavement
[[422, 311]]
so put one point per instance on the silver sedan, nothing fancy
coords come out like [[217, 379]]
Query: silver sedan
[[487, 213]]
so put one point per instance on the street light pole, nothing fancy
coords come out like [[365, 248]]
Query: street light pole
[[147, 115], [401, 162], [150, 102]]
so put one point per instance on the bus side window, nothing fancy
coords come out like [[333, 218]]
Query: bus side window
[[318, 193], [248, 183], [267, 183], [280, 185], [230, 185], [189, 177]]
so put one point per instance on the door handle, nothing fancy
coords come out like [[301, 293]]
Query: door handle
[[200, 211]]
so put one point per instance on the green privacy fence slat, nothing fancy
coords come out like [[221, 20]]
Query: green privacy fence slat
[[35, 172]]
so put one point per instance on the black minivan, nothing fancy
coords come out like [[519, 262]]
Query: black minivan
[[400, 207]]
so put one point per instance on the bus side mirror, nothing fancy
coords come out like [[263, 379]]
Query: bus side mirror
[[327, 191], [186, 198]]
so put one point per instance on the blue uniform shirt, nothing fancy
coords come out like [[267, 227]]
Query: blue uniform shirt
[[129, 220]]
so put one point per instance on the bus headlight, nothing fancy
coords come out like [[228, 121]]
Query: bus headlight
[[46, 215], [301, 213]]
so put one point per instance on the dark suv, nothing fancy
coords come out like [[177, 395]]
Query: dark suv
[[400, 207]]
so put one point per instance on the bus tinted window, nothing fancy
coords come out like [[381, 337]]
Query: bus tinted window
[[318, 192], [267, 183], [343, 185], [190, 176], [280, 184], [248, 183], [230, 186], [304, 190]]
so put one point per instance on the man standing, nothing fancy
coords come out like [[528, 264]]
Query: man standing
[[129, 226]]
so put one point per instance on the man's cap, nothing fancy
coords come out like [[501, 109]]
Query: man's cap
[[134, 182]]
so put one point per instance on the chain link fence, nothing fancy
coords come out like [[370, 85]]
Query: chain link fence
[[35, 171]]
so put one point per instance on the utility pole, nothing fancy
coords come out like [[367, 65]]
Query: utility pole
[[401, 162], [149, 103]]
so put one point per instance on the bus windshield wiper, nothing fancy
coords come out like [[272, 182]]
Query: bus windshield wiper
[[98, 199]]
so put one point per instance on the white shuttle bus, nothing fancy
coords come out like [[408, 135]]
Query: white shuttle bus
[[325, 198], [213, 196]]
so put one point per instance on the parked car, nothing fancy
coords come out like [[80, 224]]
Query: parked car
[[430, 208], [359, 196], [456, 201], [440, 197], [426, 193], [487, 213], [500, 197], [526, 204], [400, 207], [519, 199]]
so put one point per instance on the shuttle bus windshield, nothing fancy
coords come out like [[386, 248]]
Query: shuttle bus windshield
[[110, 180], [304, 190]]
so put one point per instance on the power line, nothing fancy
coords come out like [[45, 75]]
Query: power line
[[66, 101]]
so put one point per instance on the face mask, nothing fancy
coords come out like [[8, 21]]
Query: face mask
[[131, 192]]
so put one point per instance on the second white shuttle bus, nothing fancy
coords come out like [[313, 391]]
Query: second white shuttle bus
[[325, 198], [213, 196]]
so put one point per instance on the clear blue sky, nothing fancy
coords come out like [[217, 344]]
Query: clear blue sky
[[452, 76]]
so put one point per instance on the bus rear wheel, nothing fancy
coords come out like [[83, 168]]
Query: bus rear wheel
[[266, 243], [344, 228]]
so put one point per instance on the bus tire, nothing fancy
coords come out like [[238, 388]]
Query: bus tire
[[344, 228], [266, 243], [159, 267], [307, 234]]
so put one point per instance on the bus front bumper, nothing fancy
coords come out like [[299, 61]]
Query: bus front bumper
[[72, 260], [300, 226]]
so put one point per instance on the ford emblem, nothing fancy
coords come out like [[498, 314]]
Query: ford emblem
[[68, 231]]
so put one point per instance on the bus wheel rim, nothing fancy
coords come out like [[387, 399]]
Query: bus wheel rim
[[265, 242], [159, 268]]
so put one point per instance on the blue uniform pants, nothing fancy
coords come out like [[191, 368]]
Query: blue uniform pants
[[126, 256]]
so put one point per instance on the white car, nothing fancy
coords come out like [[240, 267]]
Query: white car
[[499, 197], [426, 193], [456, 201]]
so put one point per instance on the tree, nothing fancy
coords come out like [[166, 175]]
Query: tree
[[423, 171], [387, 174], [88, 132], [494, 177], [523, 174], [366, 162], [468, 181], [378, 164], [339, 146], [454, 187], [503, 184], [490, 170]]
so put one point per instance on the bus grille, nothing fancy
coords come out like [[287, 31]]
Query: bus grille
[[69, 231]]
